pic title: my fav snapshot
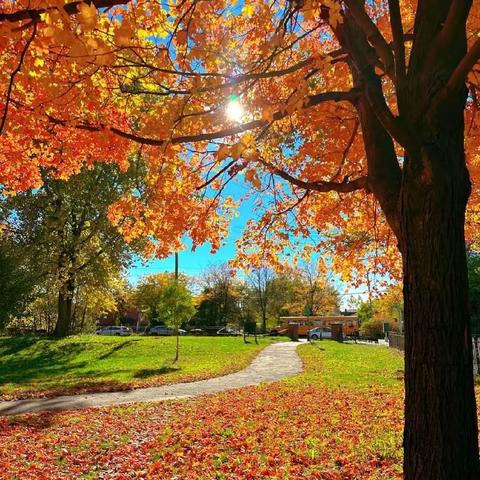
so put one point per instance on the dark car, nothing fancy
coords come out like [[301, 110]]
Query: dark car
[[197, 332]]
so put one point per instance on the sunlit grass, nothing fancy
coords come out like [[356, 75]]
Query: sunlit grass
[[32, 366]]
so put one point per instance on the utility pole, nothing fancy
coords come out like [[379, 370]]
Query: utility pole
[[178, 333], [176, 266]]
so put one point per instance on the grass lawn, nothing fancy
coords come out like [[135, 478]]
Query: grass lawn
[[31, 366], [339, 420]]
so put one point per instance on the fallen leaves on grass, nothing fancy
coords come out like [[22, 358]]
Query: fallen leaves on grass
[[280, 431]]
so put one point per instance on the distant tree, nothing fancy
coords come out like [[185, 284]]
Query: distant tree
[[175, 307], [365, 311], [261, 283], [220, 300], [312, 294], [148, 294], [282, 295], [473, 262]]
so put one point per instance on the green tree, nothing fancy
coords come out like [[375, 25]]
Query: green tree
[[221, 297], [175, 307], [149, 292], [16, 281], [473, 261], [66, 236], [365, 311]]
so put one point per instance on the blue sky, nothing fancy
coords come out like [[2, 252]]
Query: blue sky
[[194, 263]]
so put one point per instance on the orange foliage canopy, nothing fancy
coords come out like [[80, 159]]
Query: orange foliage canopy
[[109, 80]]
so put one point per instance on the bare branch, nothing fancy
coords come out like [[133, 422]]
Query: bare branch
[[70, 8], [346, 186]]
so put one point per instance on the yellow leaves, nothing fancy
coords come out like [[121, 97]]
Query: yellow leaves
[[248, 10], [236, 151], [87, 16], [311, 11]]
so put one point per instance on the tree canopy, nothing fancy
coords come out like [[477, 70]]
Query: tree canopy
[[102, 80]]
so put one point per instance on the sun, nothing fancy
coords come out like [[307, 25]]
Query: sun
[[234, 110]]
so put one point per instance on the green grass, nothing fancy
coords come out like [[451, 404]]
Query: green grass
[[351, 366], [31, 366]]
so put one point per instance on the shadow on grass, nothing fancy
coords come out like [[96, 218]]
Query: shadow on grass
[[151, 372], [116, 348], [13, 345], [43, 362], [33, 422]]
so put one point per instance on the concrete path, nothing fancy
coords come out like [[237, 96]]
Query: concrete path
[[275, 362]]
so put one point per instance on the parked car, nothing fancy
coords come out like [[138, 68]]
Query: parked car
[[161, 330], [119, 331], [181, 331], [197, 332], [229, 332], [319, 333]]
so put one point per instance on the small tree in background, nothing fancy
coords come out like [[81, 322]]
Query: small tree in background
[[175, 307], [473, 262], [249, 328]]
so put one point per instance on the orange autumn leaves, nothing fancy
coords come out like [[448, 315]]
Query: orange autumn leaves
[[256, 433], [143, 79]]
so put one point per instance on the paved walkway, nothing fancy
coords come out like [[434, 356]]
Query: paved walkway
[[273, 363]]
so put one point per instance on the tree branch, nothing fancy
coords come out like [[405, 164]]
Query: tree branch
[[373, 35], [456, 18], [462, 70], [346, 186], [12, 78], [70, 8], [398, 42], [313, 100]]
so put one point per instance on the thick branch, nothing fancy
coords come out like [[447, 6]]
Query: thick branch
[[459, 75], [398, 42], [346, 186], [373, 35], [70, 8], [456, 19], [313, 100], [456, 82]]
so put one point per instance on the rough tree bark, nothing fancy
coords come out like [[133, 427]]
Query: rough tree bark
[[441, 440], [424, 203], [64, 310]]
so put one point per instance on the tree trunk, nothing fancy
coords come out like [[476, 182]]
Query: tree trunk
[[440, 438], [64, 311], [177, 349]]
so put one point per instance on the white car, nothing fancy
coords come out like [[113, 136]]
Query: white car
[[319, 333], [119, 331]]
